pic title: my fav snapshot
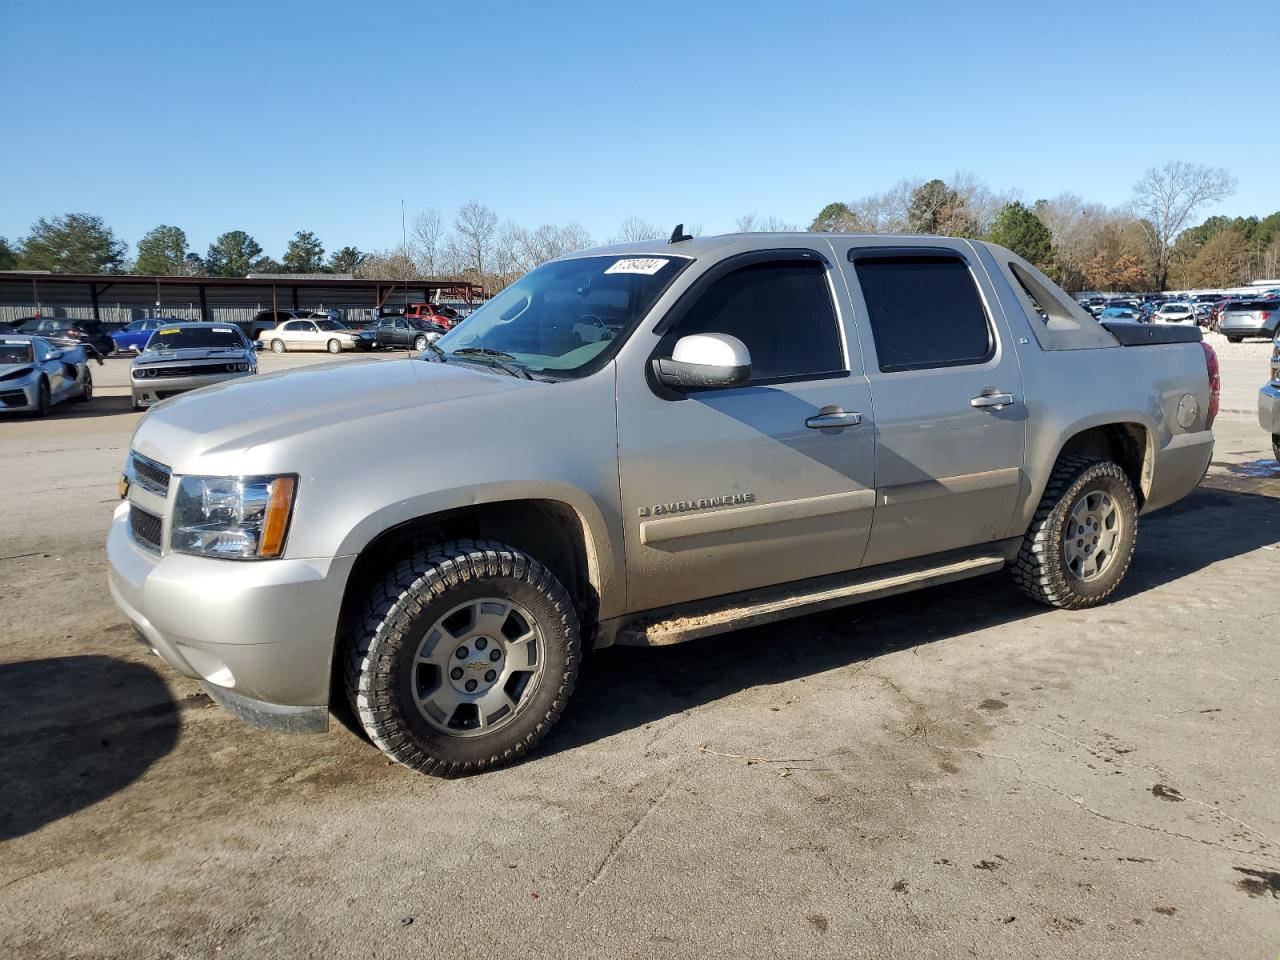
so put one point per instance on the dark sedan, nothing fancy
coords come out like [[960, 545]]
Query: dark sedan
[[69, 332], [406, 333]]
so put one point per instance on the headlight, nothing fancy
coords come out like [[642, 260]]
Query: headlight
[[238, 518]]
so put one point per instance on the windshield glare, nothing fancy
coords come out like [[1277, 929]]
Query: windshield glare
[[330, 325], [198, 338], [565, 314]]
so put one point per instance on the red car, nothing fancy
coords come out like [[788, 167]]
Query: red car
[[445, 317]]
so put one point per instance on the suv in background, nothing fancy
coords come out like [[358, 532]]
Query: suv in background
[[1249, 318]]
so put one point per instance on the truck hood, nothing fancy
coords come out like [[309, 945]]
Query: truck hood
[[235, 416]]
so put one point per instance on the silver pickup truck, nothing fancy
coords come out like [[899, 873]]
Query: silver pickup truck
[[758, 426]]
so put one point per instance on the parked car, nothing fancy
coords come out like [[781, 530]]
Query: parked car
[[135, 336], [1175, 312], [449, 531], [1129, 314], [322, 334], [270, 319], [1269, 400], [405, 333], [445, 317], [36, 373], [69, 332], [1249, 318], [187, 356]]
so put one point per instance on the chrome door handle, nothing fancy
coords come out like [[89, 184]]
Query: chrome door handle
[[996, 400], [833, 418]]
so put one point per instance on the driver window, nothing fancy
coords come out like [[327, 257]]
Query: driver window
[[782, 311]]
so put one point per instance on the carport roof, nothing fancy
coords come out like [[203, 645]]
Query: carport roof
[[260, 280]]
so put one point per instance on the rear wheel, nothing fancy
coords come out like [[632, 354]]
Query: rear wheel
[[277, 346], [86, 391], [1234, 339], [1081, 541], [334, 346], [463, 658]]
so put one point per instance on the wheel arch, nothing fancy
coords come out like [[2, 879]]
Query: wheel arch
[[1129, 443]]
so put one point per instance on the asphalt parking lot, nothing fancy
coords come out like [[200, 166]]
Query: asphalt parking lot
[[952, 773]]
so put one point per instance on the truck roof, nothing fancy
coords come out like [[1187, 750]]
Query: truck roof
[[699, 246]]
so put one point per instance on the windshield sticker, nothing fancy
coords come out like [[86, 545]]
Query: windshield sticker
[[646, 266], [222, 330], [166, 331]]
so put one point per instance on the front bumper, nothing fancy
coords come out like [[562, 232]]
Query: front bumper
[[1269, 408], [20, 396], [260, 633], [154, 389]]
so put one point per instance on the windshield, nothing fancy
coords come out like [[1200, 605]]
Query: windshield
[[330, 325], [196, 338], [546, 319], [1117, 312], [19, 352]]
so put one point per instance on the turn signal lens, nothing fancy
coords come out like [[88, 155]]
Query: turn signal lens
[[279, 507]]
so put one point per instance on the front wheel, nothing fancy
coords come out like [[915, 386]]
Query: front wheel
[[44, 398], [86, 390], [334, 346], [463, 657], [277, 346], [1081, 541], [420, 343]]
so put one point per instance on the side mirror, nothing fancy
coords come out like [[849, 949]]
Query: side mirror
[[705, 360]]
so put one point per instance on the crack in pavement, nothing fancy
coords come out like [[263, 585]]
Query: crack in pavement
[[616, 848]]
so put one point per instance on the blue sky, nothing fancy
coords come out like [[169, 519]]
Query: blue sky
[[275, 117]]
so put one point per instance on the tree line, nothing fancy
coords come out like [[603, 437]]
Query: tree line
[[1147, 244]]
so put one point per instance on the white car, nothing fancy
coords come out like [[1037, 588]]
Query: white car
[[1175, 313], [314, 334]]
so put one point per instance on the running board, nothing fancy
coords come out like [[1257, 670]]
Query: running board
[[705, 618]]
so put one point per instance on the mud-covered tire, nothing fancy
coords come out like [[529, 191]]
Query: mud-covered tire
[[1041, 568], [384, 638], [1275, 445]]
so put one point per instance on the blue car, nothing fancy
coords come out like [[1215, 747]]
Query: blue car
[[135, 336]]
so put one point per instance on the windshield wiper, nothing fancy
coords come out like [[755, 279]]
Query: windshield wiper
[[502, 361]]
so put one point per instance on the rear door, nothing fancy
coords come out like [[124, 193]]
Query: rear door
[[947, 389]]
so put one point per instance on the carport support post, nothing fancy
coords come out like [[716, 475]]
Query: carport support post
[[204, 305], [295, 298], [93, 298]]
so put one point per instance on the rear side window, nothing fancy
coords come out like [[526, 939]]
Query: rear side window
[[924, 312], [782, 311]]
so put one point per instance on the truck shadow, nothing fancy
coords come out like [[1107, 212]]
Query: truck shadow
[[74, 731], [623, 688]]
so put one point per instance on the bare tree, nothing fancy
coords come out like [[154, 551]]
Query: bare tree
[[508, 254], [750, 223], [1166, 197], [475, 226], [428, 234], [633, 229]]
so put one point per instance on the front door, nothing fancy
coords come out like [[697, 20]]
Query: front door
[[947, 389], [771, 481]]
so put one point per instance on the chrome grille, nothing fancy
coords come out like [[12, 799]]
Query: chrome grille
[[150, 475], [145, 527]]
